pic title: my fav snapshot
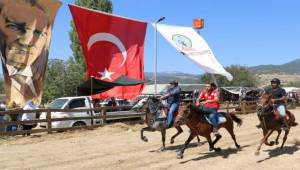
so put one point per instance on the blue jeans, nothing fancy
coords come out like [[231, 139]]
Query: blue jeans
[[212, 116], [173, 108], [281, 110]]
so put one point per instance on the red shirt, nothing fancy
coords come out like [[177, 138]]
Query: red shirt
[[210, 96]]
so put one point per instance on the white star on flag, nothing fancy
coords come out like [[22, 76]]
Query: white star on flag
[[106, 74]]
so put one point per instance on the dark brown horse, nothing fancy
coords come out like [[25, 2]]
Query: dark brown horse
[[151, 106], [270, 122], [194, 118]]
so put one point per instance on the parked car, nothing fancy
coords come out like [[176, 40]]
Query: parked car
[[83, 102]]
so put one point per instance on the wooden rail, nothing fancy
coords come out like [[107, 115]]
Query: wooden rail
[[103, 117]]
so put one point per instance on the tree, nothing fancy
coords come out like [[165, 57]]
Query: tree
[[241, 77], [102, 5], [74, 77], [55, 80]]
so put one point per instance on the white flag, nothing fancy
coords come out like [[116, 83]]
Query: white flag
[[188, 42]]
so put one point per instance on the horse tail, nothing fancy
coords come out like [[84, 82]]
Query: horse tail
[[294, 124], [236, 119]]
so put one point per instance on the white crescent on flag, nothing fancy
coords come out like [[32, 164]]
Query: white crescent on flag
[[110, 38]]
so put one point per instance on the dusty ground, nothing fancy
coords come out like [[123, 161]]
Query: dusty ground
[[119, 146]]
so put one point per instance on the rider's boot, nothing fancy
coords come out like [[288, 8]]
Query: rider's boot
[[284, 124], [216, 132], [259, 124]]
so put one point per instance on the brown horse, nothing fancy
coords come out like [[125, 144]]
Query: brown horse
[[269, 119], [151, 106], [194, 118]]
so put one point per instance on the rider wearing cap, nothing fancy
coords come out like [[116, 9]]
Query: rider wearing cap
[[279, 100], [210, 98], [173, 100]]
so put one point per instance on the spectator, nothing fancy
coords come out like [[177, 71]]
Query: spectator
[[11, 117], [29, 116], [112, 102]]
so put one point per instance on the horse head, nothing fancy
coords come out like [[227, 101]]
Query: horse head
[[140, 105], [264, 104], [184, 112]]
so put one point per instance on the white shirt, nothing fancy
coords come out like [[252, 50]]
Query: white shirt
[[29, 116]]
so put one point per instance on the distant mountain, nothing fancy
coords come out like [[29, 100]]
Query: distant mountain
[[292, 67], [166, 77]]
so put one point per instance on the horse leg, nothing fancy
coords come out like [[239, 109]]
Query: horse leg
[[144, 138], [179, 131], [163, 139], [187, 142], [263, 140], [284, 138], [198, 139], [276, 141], [218, 137], [231, 132]]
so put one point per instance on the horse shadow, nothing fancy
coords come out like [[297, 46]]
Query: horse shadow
[[178, 147], [225, 153], [290, 150]]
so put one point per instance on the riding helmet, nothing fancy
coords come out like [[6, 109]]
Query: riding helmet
[[275, 80]]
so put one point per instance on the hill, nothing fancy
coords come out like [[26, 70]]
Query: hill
[[291, 68], [166, 77]]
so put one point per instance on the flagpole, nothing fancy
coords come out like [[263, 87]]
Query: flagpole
[[155, 53], [199, 24]]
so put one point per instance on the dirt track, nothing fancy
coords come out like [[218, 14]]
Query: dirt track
[[119, 146]]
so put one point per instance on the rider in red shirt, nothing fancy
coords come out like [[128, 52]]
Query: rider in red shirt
[[209, 97]]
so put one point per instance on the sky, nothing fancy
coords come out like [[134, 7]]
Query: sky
[[246, 33]]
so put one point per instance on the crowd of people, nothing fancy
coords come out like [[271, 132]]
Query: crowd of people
[[12, 106]]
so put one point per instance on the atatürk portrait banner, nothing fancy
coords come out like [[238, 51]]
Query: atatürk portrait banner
[[25, 33]]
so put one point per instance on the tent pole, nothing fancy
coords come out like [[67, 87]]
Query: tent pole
[[92, 77]]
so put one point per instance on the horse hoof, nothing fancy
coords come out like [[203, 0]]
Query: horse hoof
[[180, 156], [256, 153], [218, 149], [172, 141], [145, 139], [211, 149], [276, 143], [238, 146], [272, 143], [162, 149]]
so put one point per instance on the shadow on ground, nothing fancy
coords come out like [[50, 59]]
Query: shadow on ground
[[289, 150], [178, 147], [225, 153]]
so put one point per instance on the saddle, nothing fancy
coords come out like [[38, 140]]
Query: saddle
[[287, 115]]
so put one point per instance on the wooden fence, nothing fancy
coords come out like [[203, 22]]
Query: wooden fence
[[226, 106]]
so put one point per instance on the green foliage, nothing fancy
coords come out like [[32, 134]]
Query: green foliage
[[1, 86], [54, 83], [241, 77], [293, 84], [102, 5], [62, 79]]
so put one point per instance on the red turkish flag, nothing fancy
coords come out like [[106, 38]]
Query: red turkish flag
[[112, 46]]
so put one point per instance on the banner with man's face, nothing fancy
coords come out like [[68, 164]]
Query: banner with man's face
[[25, 33]]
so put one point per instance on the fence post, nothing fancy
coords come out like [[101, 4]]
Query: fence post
[[227, 106], [103, 113], [244, 107], [49, 124]]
